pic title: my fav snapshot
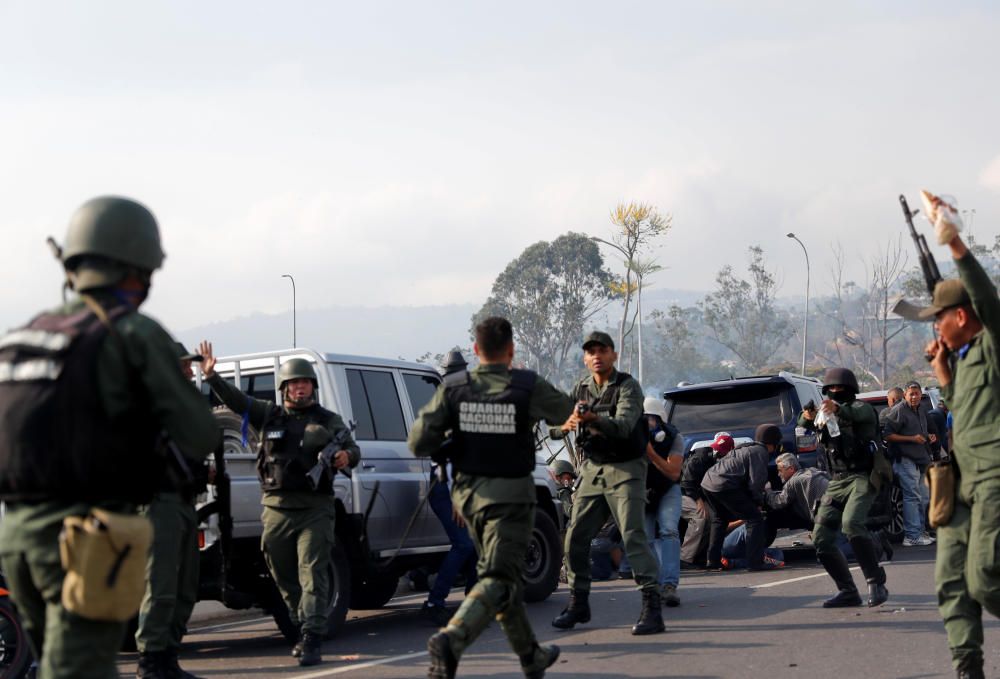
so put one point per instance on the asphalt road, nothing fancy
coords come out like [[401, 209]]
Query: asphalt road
[[733, 624]]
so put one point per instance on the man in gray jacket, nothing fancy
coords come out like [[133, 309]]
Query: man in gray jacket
[[734, 489], [800, 494], [905, 430]]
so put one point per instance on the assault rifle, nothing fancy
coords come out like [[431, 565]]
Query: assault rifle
[[324, 461], [927, 264]]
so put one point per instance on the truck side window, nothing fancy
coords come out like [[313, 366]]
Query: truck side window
[[258, 386], [375, 405], [420, 389]]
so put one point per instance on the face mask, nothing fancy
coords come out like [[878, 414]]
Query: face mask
[[842, 396]]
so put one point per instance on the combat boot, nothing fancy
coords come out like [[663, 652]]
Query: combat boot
[[540, 659], [174, 669], [864, 552], [297, 648], [444, 663], [577, 611], [310, 650], [152, 665], [970, 667], [847, 593], [651, 618]]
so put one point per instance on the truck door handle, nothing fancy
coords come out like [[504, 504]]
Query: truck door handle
[[368, 467]]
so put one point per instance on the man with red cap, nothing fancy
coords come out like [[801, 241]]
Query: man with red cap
[[734, 489]]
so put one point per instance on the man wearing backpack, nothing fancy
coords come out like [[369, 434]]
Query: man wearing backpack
[[87, 390]]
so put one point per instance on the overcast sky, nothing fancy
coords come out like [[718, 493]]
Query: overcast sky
[[403, 153]]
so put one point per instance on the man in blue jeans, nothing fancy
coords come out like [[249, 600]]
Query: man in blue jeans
[[905, 428], [461, 558], [665, 453]]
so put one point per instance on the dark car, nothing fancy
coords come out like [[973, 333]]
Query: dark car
[[738, 405]]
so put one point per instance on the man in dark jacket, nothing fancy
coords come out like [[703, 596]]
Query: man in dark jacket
[[694, 508], [734, 489], [906, 429]]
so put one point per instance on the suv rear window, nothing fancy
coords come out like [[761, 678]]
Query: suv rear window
[[731, 407]]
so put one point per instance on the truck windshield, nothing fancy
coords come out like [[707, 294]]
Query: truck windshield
[[730, 407]]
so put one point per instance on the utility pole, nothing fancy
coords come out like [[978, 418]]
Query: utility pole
[[294, 338]]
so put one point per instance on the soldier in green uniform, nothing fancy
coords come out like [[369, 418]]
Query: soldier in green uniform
[[966, 313], [850, 437], [86, 391], [491, 412], [171, 568], [565, 476], [612, 441], [298, 519]]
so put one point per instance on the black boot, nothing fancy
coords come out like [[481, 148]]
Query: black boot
[[864, 552], [310, 650], [540, 659], [152, 665], [174, 669], [297, 648], [578, 610], [650, 619], [444, 664], [970, 667], [847, 594]]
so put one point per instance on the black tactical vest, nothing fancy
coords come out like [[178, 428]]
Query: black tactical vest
[[602, 449], [282, 460], [491, 433], [849, 452], [56, 441]]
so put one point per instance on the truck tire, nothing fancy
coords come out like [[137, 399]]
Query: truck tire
[[15, 655], [895, 530], [543, 560], [373, 592]]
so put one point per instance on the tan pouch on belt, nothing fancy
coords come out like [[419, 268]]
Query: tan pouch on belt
[[941, 480], [104, 555]]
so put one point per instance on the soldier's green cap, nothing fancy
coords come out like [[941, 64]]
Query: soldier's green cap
[[184, 355], [598, 337], [947, 294]]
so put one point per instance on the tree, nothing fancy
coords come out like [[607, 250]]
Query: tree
[[636, 226], [549, 293], [742, 314], [676, 347]]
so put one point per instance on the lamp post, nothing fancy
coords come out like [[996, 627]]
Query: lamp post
[[805, 323], [289, 277]]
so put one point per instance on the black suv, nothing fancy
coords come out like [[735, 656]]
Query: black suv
[[738, 405]]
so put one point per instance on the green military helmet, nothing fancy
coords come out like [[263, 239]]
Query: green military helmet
[[294, 369], [560, 467], [315, 438], [107, 236], [841, 377]]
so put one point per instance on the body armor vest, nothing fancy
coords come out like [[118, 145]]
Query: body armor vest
[[56, 441], [282, 460], [849, 452], [602, 449], [492, 433]]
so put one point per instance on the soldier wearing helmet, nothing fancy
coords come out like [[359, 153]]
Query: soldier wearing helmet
[[298, 518], [565, 476], [119, 370], [850, 435]]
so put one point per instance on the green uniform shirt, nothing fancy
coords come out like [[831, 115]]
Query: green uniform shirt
[[860, 416], [628, 411], [974, 393], [428, 433], [149, 352], [259, 412]]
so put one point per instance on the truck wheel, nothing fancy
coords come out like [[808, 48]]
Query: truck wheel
[[374, 592], [541, 564], [15, 656], [336, 610]]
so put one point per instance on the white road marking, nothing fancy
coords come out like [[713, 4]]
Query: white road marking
[[361, 666], [785, 582], [227, 625]]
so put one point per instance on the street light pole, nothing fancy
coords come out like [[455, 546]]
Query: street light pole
[[294, 338], [805, 323]]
